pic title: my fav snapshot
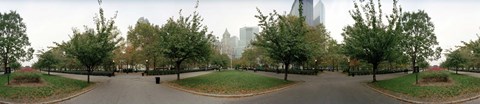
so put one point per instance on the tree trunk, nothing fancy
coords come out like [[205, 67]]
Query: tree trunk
[[154, 62], [89, 70], [375, 67], [286, 71], [49, 71], [414, 61], [456, 70], [177, 66], [5, 66]]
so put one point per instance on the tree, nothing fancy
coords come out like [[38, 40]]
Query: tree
[[320, 43], [419, 38], [47, 60], [14, 43], [283, 37], [455, 59], [221, 60], [93, 46], [15, 65], [185, 38], [472, 48], [369, 38], [142, 36]]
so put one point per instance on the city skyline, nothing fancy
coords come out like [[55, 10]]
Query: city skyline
[[51, 21]]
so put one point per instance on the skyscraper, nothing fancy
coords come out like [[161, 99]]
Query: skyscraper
[[313, 16], [319, 13], [228, 44], [247, 34]]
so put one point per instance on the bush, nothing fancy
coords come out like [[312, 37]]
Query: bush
[[27, 77], [84, 72], [369, 72], [129, 70], [290, 71], [166, 72], [435, 76]]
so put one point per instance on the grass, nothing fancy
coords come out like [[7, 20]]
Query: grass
[[230, 82], [463, 85], [56, 85]]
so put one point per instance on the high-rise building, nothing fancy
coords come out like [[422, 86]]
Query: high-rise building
[[313, 16], [319, 13], [307, 10], [228, 44], [247, 34]]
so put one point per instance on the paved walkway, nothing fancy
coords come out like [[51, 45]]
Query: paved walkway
[[327, 88]]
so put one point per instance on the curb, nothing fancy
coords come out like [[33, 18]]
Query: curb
[[62, 99], [233, 96], [421, 102]]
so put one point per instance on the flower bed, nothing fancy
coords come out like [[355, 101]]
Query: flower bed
[[26, 76], [432, 76]]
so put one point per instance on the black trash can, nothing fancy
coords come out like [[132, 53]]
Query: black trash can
[[157, 80]]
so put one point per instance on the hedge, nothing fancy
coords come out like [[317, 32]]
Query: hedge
[[167, 72], [467, 70], [290, 71], [84, 72], [369, 72]]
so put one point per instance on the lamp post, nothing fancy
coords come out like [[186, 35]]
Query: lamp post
[[114, 66], [8, 71], [146, 65], [64, 63]]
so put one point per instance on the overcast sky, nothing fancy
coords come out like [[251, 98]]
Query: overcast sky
[[51, 21]]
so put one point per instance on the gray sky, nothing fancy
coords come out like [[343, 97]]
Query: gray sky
[[51, 21]]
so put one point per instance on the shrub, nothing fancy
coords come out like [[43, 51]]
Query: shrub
[[129, 70], [369, 72], [166, 72], [435, 76], [84, 72], [27, 77], [290, 71]]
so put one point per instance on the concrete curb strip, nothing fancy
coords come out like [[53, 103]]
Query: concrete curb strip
[[421, 102], [232, 96], [61, 99]]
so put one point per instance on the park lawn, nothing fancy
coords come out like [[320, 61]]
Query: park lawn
[[464, 86], [55, 87], [230, 82]]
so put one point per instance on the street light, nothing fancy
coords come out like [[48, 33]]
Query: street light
[[146, 65], [115, 66]]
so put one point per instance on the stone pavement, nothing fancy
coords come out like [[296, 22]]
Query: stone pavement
[[326, 88]]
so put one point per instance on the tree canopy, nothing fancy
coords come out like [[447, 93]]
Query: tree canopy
[[369, 38], [93, 46], [185, 38], [14, 42], [143, 37], [283, 37], [419, 37]]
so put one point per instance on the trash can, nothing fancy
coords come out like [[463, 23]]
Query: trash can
[[157, 80]]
